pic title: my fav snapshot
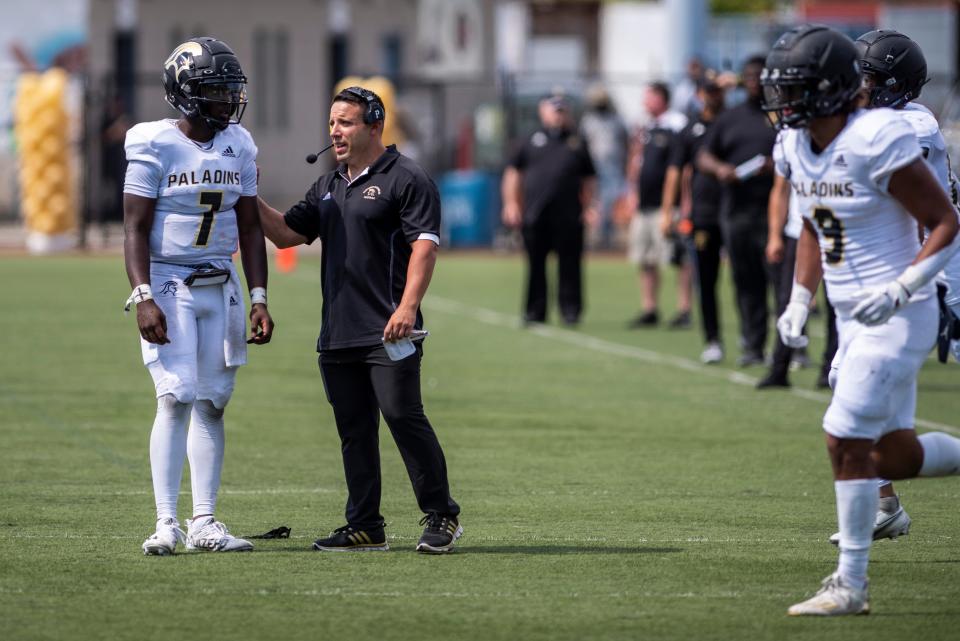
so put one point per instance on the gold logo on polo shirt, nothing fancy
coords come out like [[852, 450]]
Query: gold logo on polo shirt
[[371, 192]]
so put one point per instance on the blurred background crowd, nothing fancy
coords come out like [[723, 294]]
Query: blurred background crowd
[[629, 92]]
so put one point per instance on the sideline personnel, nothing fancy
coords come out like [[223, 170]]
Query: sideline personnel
[[741, 137], [548, 189], [378, 217]]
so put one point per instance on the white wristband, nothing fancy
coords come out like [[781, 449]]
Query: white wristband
[[800, 294], [258, 295], [916, 276], [139, 294]]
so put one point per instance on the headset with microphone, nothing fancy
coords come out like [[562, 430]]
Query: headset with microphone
[[312, 158], [374, 112]]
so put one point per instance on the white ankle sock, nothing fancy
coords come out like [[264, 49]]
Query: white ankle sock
[[941, 454], [205, 446], [168, 448], [857, 503]]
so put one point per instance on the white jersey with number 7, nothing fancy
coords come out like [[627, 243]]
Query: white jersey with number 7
[[196, 186]]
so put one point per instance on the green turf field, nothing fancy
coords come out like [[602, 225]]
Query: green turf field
[[612, 488]]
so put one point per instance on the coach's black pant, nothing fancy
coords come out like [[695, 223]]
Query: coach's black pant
[[783, 285], [360, 384], [707, 242], [745, 237], [564, 236]]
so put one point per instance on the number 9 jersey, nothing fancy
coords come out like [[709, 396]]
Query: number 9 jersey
[[196, 186], [866, 238]]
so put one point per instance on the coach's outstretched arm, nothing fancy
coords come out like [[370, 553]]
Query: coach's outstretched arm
[[275, 227]]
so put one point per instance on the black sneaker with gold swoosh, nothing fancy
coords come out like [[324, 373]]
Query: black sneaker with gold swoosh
[[350, 539], [440, 534]]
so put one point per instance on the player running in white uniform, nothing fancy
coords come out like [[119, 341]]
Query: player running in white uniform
[[862, 186], [189, 201], [894, 72]]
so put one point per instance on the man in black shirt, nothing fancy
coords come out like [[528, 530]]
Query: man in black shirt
[[378, 217], [738, 152], [648, 247], [702, 192], [547, 185]]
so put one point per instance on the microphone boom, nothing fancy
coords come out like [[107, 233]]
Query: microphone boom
[[312, 158]]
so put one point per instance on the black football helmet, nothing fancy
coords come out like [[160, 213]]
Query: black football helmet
[[895, 65], [811, 72], [203, 79]]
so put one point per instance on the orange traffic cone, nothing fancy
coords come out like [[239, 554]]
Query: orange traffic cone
[[287, 259]]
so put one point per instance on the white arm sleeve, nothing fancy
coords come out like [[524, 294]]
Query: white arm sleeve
[[142, 179]]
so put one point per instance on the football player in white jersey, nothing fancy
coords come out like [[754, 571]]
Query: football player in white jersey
[[894, 72], [190, 198], [862, 186]]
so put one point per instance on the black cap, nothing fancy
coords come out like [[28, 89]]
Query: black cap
[[557, 98]]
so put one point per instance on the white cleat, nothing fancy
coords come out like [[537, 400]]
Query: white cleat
[[834, 598], [889, 525], [712, 353], [211, 536], [164, 541]]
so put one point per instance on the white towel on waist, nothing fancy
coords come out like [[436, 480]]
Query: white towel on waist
[[235, 333]]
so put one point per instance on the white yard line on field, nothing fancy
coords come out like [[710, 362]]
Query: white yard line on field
[[579, 339]]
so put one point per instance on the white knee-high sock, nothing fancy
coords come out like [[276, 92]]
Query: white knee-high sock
[[205, 446], [941, 454], [168, 448], [857, 503]]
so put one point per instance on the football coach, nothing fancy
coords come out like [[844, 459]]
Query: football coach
[[378, 217]]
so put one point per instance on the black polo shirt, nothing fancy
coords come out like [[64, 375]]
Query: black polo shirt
[[657, 141], [705, 189], [553, 165], [740, 134], [366, 227]]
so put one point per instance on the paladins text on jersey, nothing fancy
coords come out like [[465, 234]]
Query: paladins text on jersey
[[216, 177], [824, 189]]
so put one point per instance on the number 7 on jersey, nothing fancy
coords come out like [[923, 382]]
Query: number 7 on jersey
[[213, 200]]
